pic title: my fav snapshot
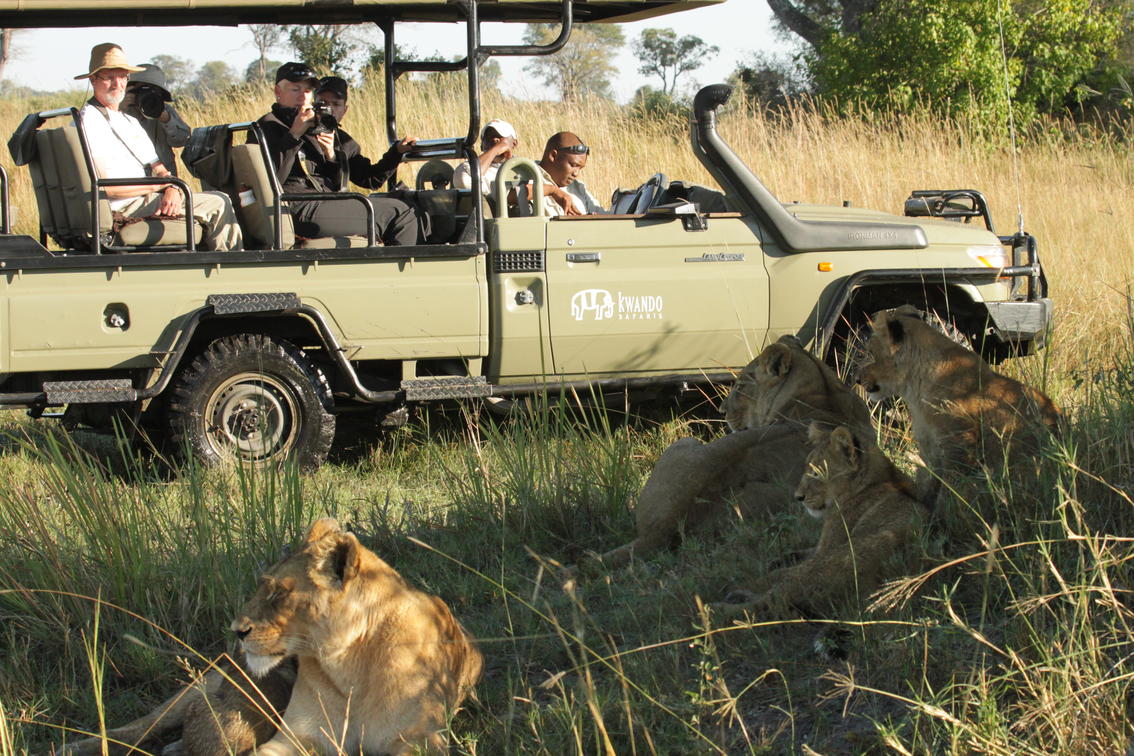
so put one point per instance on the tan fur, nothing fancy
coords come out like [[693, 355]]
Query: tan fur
[[869, 513], [751, 469], [220, 712], [381, 664], [964, 414]]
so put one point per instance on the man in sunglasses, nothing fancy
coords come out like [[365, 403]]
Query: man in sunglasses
[[312, 154], [564, 158]]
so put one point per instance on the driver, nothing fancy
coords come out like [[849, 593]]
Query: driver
[[564, 158]]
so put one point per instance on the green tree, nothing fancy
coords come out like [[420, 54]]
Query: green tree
[[950, 56], [265, 37], [584, 66], [325, 47], [261, 71], [813, 20], [667, 56], [215, 76], [179, 73], [770, 81]]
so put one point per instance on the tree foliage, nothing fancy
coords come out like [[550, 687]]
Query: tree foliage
[[585, 64], [325, 47], [179, 73], [214, 76], [771, 81], [667, 56], [265, 37], [969, 54]]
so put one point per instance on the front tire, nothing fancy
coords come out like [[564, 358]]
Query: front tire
[[252, 399]]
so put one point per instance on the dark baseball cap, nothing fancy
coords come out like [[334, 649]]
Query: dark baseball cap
[[296, 72], [333, 84]]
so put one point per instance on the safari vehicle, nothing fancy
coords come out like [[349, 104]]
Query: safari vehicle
[[251, 355]]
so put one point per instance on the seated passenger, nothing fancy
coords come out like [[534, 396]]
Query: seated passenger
[[498, 141], [312, 154], [120, 148], [147, 99], [564, 158]]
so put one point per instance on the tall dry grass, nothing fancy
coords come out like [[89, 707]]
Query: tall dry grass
[[1072, 189], [1014, 639]]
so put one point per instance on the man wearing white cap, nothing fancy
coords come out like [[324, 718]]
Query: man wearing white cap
[[497, 143], [120, 148]]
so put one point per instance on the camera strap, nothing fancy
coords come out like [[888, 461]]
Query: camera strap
[[147, 167]]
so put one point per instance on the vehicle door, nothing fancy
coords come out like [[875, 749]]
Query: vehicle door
[[644, 294]]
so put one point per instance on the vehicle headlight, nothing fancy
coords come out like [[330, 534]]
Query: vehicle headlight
[[990, 256]]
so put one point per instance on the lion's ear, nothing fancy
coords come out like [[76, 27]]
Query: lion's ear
[[344, 561], [846, 444], [779, 360], [790, 341], [896, 330], [322, 528], [816, 432]]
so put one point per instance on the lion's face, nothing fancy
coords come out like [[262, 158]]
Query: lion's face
[[755, 396], [833, 463], [296, 599], [885, 366]]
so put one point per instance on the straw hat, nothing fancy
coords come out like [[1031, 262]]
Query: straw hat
[[108, 55]]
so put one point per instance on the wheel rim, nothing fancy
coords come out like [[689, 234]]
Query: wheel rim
[[252, 417]]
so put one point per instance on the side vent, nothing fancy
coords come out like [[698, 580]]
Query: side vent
[[523, 261]]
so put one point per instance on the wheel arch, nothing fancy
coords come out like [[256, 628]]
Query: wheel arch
[[955, 300]]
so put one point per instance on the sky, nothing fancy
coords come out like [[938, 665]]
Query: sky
[[49, 59]]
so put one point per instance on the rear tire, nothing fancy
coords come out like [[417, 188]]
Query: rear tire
[[252, 399]]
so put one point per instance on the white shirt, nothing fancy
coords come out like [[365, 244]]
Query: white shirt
[[462, 177], [120, 147]]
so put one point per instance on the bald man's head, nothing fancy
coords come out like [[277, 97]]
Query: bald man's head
[[564, 157]]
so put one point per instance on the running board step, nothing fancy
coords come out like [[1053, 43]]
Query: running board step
[[446, 387], [90, 392]]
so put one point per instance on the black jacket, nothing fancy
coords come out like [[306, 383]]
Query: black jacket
[[301, 166]]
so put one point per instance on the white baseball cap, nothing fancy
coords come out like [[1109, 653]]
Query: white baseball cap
[[503, 128]]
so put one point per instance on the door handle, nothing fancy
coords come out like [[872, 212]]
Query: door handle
[[524, 297], [584, 257]]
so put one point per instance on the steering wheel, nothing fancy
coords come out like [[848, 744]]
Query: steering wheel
[[648, 194]]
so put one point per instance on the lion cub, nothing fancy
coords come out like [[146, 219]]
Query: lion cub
[[357, 659], [964, 414], [775, 397], [869, 512]]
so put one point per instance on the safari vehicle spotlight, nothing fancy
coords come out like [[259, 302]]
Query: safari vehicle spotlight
[[251, 355]]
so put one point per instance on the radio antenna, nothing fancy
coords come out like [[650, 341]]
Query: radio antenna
[[1011, 118]]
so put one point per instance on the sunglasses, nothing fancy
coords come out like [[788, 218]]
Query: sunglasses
[[302, 74], [575, 149]]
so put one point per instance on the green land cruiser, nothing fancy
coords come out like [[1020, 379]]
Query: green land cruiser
[[251, 355]]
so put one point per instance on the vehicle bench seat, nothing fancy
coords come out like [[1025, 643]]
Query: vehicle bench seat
[[62, 185], [256, 211]]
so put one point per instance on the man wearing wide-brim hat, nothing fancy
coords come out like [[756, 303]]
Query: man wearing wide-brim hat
[[120, 148], [148, 99]]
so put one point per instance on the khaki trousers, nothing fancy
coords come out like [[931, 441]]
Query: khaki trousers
[[211, 209]]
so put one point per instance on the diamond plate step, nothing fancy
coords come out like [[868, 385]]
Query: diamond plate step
[[90, 392], [445, 387]]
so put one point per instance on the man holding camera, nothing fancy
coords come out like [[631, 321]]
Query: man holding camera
[[147, 99], [311, 153]]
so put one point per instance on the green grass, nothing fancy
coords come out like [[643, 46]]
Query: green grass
[[1014, 640], [1012, 635]]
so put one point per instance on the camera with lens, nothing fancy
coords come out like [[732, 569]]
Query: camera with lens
[[151, 100], [324, 122]]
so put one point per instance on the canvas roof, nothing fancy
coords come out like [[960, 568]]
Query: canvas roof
[[60, 13]]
